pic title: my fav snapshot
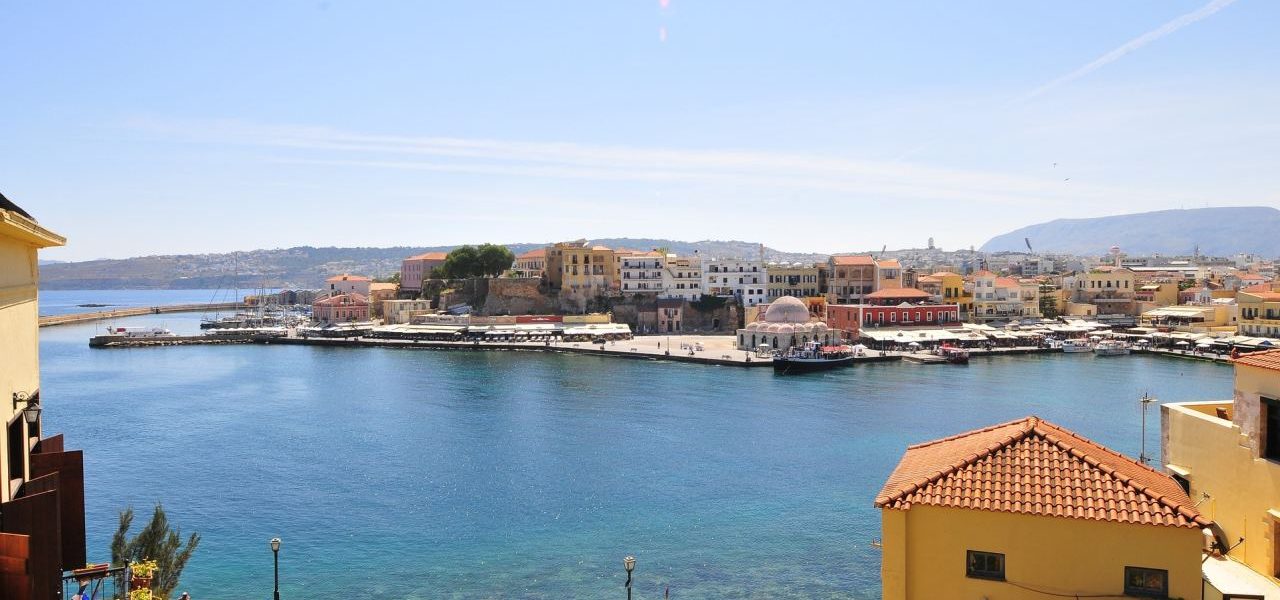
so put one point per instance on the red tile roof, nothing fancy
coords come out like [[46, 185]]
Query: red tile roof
[[861, 260], [1269, 359], [346, 277], [1033, 467], [1007, 282], [535, 253], [342, 299], [898, 293], [944, 274], [891, 263], [429, 256]]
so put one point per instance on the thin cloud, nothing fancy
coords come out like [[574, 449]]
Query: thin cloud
[[729, 171], [1168, 28]]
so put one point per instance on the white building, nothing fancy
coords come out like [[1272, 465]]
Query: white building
[[641, 273], [744, 280], [348, 284], [682, 278]]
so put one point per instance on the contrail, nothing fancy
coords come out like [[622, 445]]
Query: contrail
[[1199, 14]]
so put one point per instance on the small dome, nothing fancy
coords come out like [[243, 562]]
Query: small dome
[[773, 328], [820, 326], [752, 326], [786, 329], [787, 309]]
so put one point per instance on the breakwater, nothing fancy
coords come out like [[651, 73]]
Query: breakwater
[[137, 311]]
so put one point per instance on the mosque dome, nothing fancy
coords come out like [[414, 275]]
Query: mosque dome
[[787, 309]]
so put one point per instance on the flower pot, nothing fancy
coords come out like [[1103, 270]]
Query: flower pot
[[137, 583]]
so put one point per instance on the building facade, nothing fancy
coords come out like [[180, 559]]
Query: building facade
[[1027, 509], [682, 278], [794, 279], [531, 264], [744, 280], [996, 298], [341, 308], [348, 284], [42, 521], [416, 268], [1259, 313], [1226, 454], [850, 319], [642, 273], [1111, 289], [581, 272], [851, 278]]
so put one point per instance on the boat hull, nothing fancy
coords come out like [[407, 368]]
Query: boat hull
[[788, 366]]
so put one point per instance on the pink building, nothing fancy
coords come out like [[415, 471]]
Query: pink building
[[416, 268], [340, 308]]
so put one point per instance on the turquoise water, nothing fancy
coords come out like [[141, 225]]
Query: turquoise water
[[430, 474]]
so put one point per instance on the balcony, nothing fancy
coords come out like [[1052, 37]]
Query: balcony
[[42, 529]]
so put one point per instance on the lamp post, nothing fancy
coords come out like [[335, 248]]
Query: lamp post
[[275, 552], [31, 413], [629, 563]]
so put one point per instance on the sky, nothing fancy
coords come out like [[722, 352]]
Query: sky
[[139, 128]]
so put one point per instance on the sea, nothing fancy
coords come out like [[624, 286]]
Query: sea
[[400, 473]]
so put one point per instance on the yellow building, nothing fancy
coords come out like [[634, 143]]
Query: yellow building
[[581, 271], [1111, 289], [1259, 313], [1227, 454], [791, 279], [1026, 509], [951, 288], [41, 484]]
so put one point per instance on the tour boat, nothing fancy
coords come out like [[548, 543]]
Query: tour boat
[[955, 356], [1111, 348], [1076, 346], [812, 357], [140, 332]]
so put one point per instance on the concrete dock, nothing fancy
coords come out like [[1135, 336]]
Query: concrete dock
[[51, 320]]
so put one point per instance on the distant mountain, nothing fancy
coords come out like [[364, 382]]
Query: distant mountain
[[1217, 231], [45, 261], [308, 267]]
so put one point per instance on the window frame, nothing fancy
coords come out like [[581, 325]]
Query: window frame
[[972, 573], [1146, 592]]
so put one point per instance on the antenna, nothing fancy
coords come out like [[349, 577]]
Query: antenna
[[1145, 400]]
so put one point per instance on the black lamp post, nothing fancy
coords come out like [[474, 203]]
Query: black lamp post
[[629, 563], [31, 412], [275, 551]]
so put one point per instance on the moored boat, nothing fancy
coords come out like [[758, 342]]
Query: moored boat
[[1070, 346], [1111, 348], [955, 356], [812, 357]]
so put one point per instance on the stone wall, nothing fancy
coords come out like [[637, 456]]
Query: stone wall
[[508, 296]]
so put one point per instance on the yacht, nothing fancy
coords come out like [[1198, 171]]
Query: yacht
[[1076, 346], [812, 356]]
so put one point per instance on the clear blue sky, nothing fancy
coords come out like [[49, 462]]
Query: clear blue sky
[[172, 127]]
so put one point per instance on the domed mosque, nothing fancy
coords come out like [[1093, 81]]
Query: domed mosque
[[786, 323]]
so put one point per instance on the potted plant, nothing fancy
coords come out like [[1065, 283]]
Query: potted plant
[[140, 594], [140, 573], [90, 572]]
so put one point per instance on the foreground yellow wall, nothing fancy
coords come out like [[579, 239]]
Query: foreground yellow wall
[[1220, 458], [19, 327], [924, 554]]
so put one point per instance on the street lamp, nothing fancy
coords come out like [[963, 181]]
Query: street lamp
[[31, 413], [275, 551], [629, 563]]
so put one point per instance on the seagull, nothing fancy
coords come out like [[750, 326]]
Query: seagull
[[1067, 179]]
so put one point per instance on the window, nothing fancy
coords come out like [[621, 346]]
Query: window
[[1183, 483], [988, 565], [1271, 429], [1147, 583]]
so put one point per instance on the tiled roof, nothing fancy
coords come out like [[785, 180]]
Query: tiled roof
[[342, 299], [891, 263], [1033, 467], [984, 273], [1007, 282], [346, 277], [429, 256], [1269, 359], [945, 274], [853, 261], [7, 204], [535, 253], [899, 293]]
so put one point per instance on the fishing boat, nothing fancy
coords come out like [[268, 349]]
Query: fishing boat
[[1070, 346], [954, 355], [812, 356], [1111, 348]]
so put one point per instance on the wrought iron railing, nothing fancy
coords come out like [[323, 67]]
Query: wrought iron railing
[[111, 584]]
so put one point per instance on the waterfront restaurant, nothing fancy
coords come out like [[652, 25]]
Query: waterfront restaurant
[[42, 524]]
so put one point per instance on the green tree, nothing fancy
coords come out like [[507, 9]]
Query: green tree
[[157, 541], [494, 260], [462, 262]]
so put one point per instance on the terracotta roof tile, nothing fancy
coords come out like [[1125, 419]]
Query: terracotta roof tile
[[898, 293], [1033, 467], [1269, 359], [535, 253], [862, 260], [347, 277], [429, 256]]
